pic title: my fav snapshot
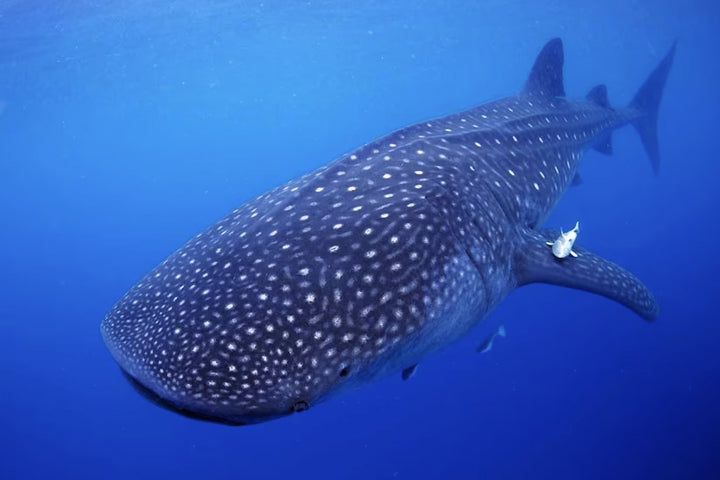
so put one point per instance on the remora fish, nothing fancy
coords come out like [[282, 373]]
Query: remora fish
[[487, 344], [366, 265]]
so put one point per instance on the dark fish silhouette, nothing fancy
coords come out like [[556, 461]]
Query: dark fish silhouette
[[487, 344]]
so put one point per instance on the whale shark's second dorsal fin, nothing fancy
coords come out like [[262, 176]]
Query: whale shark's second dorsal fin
[[598, 95], [546, 76], [535, 263]]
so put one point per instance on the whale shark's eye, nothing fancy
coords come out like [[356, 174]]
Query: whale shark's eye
[[344, 372], [300, 406]]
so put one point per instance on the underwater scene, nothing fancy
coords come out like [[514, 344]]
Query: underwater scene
[[359, 240]]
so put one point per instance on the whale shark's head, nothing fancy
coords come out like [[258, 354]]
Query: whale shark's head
[[197, 356], [308, 290]]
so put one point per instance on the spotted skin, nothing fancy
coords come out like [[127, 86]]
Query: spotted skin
[[366, 265]]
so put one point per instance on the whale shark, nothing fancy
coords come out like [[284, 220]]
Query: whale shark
[[366, 265]]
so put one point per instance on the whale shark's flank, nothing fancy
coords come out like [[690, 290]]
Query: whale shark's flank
[[366, 265]]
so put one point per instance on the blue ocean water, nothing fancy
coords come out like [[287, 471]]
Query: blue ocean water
[[127, 127]]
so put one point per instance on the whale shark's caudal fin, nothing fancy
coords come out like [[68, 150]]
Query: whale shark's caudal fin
[[546, 76], [647, 102], [535, 263]]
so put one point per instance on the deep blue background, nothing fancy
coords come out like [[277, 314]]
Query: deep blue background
[[127, 127]]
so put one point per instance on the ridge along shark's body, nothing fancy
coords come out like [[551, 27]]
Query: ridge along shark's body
[[368, 264]]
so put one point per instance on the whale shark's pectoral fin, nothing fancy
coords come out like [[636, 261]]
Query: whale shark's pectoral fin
[[535, 263], [408, 372]]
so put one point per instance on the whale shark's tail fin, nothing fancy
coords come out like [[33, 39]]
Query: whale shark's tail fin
[[647, 102]]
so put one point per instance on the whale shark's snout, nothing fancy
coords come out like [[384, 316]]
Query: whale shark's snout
[[216, 375]]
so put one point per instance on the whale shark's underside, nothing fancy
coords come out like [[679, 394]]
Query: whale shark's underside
[[366, 265]]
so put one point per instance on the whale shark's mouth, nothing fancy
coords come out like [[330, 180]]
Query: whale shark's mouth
[[168, 405], [150, 395]]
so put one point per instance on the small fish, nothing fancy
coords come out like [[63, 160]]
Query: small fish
[[409, 372], [486, 346], [562, 246]]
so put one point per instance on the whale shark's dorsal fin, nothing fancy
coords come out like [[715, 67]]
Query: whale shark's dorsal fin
[[535, 263], [546, 76]]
